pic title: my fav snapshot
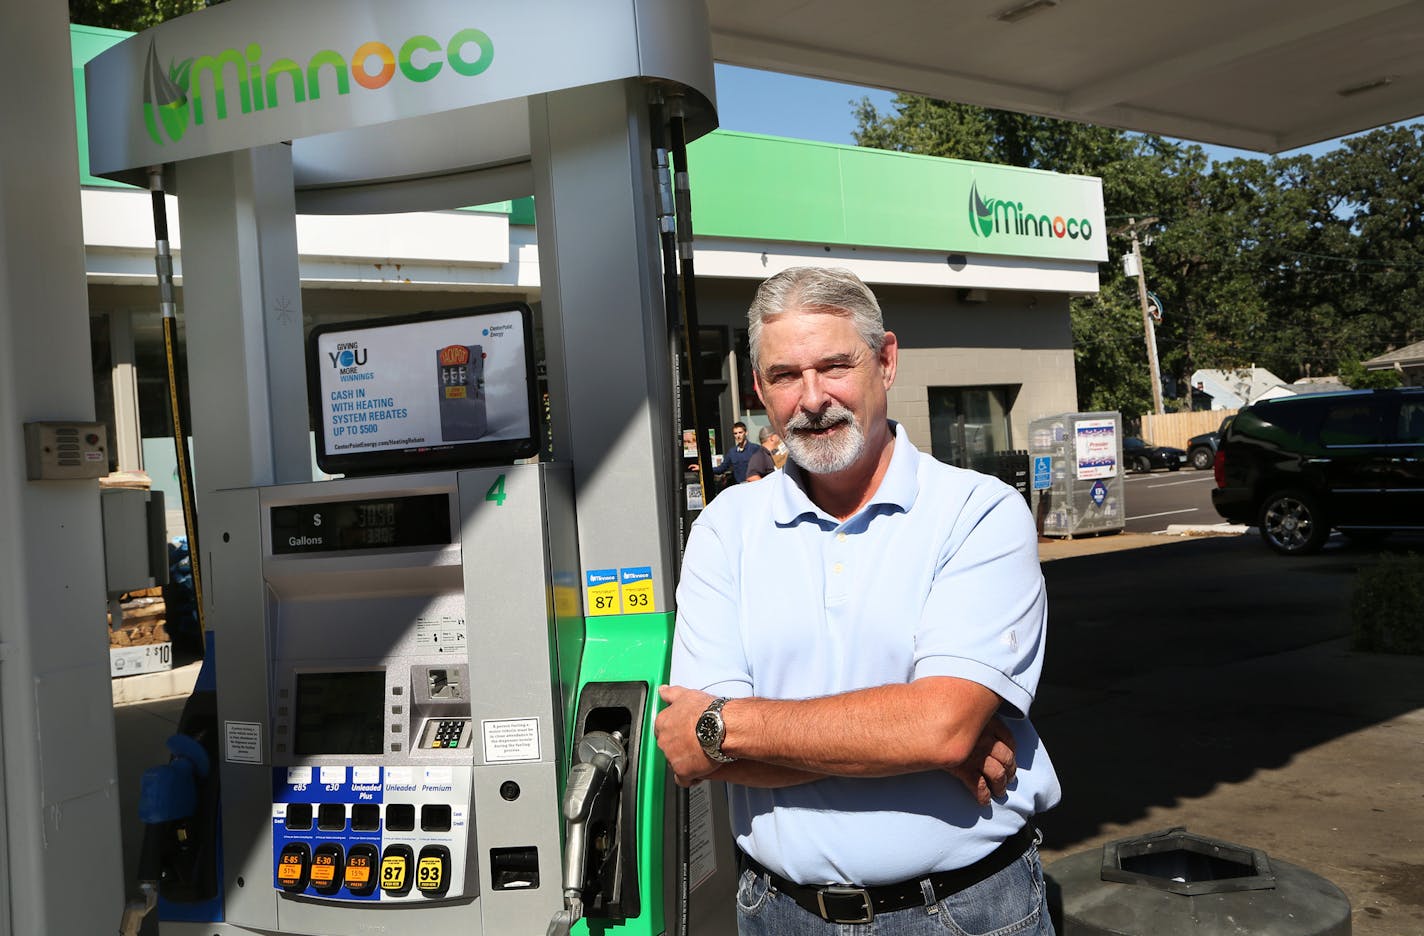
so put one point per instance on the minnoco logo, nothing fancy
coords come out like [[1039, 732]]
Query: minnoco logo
[[1001, 216], [197, 90]]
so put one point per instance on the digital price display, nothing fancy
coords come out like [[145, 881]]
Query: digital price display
[[382, 523]]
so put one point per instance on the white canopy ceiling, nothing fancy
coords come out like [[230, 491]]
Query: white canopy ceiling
[[1266, 75]]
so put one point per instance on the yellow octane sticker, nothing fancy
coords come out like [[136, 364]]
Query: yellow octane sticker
[[393, 872], [428, 874]]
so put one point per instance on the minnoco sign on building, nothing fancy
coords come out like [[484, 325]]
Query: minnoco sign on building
[[822, 193]]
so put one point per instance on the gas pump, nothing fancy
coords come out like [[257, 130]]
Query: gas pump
[[407, 683], [434, 677]]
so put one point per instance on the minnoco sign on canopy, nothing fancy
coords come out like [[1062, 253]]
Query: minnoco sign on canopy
[[233, 82], [235, 76]]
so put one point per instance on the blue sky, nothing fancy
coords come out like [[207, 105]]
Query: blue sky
[[809, 109]]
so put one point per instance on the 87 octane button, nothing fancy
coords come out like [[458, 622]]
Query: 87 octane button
[[396, 876]]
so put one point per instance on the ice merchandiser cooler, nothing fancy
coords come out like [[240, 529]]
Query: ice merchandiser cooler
[[1076, 473]]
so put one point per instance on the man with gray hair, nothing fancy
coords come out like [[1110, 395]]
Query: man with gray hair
[[858, 643]]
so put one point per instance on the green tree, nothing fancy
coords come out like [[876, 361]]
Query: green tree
[[130, 15], [1303, 265], [1354, 375]]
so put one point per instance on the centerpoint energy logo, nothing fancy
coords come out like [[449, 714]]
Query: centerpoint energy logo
[[988, 217], [196, 90]]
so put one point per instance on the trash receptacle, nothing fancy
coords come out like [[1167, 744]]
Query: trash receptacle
[[1177, 883]]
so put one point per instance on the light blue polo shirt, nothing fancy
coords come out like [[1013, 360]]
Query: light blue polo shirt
[[937, 576]]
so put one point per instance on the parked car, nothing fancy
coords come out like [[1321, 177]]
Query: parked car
[[1299, 467], [1201, 449], [1139, 455]]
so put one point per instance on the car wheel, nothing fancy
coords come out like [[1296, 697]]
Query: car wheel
[[1140, 463], [1174, 466], [1292, 523], [1201, 458]]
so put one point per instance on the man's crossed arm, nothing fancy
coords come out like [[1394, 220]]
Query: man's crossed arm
[[933, 723]]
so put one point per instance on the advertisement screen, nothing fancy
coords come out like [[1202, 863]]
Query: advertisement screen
[[435, 390]]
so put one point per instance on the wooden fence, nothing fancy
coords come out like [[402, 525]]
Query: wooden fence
[[1176, 428]]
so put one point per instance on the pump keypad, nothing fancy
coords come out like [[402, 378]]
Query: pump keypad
[[448, 733]]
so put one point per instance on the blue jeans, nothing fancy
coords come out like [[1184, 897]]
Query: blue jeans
[[1010, 903]]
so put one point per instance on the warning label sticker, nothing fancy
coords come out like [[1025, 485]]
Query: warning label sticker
[[511, 739]]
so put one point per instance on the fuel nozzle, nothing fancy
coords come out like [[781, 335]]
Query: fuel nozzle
[[598, 769]]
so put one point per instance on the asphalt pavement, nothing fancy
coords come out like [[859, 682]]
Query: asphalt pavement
[[1205, 682], [1192, 680]]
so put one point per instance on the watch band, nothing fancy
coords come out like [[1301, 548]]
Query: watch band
[[712, 745]]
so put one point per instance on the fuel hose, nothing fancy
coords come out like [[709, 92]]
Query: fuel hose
[[168, 307]]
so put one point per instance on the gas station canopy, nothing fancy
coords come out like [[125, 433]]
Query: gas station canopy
[[1268, 75]]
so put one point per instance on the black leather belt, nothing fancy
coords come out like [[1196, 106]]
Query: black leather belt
[[846, 903]]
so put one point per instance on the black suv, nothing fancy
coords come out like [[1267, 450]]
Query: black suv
[[1301, 466], [1201, 449]]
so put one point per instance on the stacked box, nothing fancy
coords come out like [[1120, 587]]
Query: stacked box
[[138, 641]]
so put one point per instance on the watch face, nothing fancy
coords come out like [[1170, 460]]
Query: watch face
[[707, 727]]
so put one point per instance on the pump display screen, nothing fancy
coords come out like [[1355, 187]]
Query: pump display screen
[[340, 713], [377, 523], [435, 390]]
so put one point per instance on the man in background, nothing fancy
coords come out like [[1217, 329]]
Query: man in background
[[737, 457]]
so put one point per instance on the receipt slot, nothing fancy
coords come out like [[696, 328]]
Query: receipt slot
[[395, 656]]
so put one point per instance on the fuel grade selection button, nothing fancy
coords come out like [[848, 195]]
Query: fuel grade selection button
[[432, 871], [397, 870], [326, 868], [361, 863], [294, 867]]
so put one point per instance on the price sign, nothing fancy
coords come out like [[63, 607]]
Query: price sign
[[637, 584], [602, 591]]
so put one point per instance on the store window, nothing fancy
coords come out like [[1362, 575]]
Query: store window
[[969, 423]]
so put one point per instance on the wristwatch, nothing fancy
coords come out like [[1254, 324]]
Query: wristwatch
[[711, 730]]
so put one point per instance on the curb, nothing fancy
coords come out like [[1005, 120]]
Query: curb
[[1207, 529]]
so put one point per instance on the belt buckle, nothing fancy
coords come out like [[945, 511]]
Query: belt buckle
[[838, 891]]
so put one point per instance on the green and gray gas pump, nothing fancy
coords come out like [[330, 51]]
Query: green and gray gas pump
[[433, 679]]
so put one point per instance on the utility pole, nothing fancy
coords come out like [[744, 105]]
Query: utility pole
[[1149, 330]]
